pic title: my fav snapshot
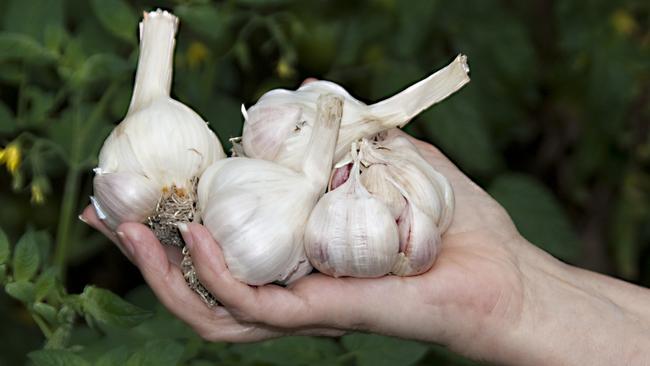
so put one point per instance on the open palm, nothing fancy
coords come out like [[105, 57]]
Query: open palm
[[474, 280]]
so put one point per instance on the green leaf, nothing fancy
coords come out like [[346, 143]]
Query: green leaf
[[26, 257], [4, 247], [45, 283], [375, 350], [117, 17], [58, 357], [205, 19], [60, 338], [47, 311], [12, 73], [263, 3], [162, 352], [7, 121], [33, 17], [40, 102], [19, 47], [100, 67], [21, 290], [55, 37], [111, 309], [3, 273], [457, 127], [116, 356], [66, 314], [537, 214], [289, 351]]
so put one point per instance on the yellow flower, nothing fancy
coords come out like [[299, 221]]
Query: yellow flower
[[284, 69], [37, 194], [2, 156], [623, 22], [12, 157], [196, 54]]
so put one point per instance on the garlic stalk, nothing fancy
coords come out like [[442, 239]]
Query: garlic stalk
[[257, 210], [150, 163], [278, 126], [389, 190]]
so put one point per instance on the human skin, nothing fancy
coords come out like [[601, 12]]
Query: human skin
[[491, 295]]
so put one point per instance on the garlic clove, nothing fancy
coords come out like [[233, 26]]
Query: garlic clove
[[351, 233], [125, 197], [431, 191], [256, 209], [419, 242], [266, 127], [298, 271], [375, 179]]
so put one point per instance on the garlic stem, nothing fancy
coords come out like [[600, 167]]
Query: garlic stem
[[322, 142], [399, 109], [155, 64]]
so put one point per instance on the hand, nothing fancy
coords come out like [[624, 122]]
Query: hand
[[490, 295], [474, 281]]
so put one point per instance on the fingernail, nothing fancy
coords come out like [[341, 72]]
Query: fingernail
[[185, 232], [126, 243], [83, 219]]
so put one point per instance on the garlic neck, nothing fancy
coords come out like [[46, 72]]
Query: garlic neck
[[399, 109], [319, 156], [155, 63]]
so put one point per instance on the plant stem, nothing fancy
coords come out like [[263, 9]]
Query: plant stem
[[42, 325], [66, 218]]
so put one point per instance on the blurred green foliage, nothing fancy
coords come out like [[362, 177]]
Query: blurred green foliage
[[555, 125]]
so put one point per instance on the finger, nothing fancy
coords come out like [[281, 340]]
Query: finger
[[89, 217], [174, 255], [315, 304], [169, 286], [308, 80], [270, 304]]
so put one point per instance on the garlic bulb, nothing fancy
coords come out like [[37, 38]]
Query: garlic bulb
[[392, 207], [256, 209], [351, 232], [278, 126], [149, 164]]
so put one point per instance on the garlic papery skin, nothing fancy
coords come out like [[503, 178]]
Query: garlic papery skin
[[137, 195], [257, 210], [375, 179], [428, 196], [159, 150], [419, 242], [352, 233], [278, 126], [428, 188]]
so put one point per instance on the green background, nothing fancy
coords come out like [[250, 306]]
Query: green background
[[555, 125]]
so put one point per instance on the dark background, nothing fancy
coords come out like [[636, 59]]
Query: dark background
[[555, 124]]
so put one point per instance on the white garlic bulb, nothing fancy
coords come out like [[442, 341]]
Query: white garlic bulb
[[352, 233], [393, 206], [427, 187], [257, 210], [278, 126], [150, 163]]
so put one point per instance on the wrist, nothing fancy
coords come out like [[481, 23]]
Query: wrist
[[574, 317]]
